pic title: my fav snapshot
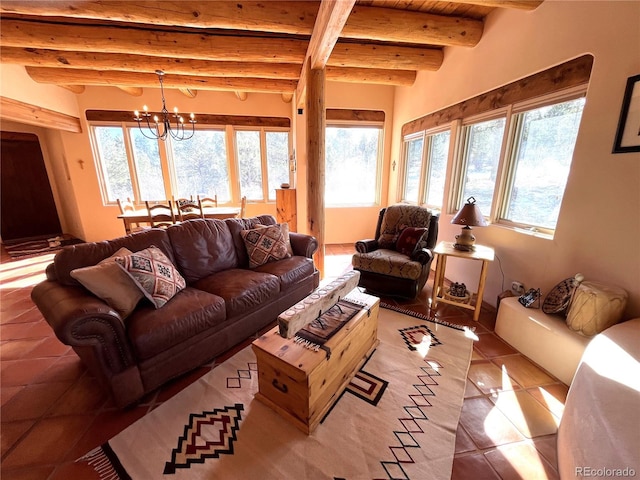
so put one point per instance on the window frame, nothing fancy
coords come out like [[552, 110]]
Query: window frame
[[379, 157]]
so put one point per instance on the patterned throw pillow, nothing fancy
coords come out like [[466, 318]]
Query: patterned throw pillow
[[408, 240], [265, 244], [154, 274]]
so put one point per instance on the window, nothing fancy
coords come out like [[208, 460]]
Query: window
[[544, 139], [426, 157], [201, 166], [132, 166], [352, 165], [254, 161], [482, 143]]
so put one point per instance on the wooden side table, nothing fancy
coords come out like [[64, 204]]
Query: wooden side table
[[444, 250]]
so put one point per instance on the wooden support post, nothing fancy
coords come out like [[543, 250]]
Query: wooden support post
[[316, 123]]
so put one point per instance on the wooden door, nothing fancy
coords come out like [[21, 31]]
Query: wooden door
[[27, 208]]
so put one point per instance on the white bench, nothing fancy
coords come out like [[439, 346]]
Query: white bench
[[543, 338]]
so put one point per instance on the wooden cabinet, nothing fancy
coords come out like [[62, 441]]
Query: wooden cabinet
[[286, 210]]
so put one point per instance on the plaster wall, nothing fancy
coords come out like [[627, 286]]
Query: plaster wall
[[595, 233]]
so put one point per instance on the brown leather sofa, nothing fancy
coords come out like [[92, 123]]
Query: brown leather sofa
[[223, 303]]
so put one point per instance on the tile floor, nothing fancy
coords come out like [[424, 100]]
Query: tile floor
[[52, 411]]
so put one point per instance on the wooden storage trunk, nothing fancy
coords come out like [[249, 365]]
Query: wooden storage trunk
[[301, 384]]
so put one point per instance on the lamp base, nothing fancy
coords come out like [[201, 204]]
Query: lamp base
[[464, 248], [465, 240]]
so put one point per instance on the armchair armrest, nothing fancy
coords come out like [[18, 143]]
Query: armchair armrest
[[303, 245], [366, 246], [82, 320], [423, 255]]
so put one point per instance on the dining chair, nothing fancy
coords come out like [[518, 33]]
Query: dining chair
[[161, 214], [205, 202], [243, 206], [128, 206], [189, 211]]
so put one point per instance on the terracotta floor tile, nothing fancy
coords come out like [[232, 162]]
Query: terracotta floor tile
[[476, 355], [523, 371], [520, 461], [548, 447], [179, 384], [472, 467], [16, 349], [75, 471], [12, 431], [66, 368], [50, 347], [104, 426], [526, 413], [551, 396], [16, 331], [488, 377], [40, 329], [17, 303], [486, 424], [25, 371], [490, 345], [85, 396], [33, 401], [48, 441], [464, 443], [30, 473], [7, 393], [31, 315]]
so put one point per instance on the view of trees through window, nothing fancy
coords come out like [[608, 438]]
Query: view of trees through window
[[413, 169], [545, 141], [198, 166], [201, 166], [438, 156], [483, 142], [351, 155]]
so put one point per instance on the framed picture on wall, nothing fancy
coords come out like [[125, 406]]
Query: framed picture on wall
[[628, 133]]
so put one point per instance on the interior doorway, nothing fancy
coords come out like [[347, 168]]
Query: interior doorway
[[27, 207]]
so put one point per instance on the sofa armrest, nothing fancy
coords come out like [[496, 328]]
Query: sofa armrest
[[423, 255], [303, 245], [81, 320], [366, 246]]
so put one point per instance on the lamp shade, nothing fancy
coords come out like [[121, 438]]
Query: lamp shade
[[469, 215]]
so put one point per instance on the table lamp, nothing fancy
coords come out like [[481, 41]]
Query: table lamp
[[469, 216]]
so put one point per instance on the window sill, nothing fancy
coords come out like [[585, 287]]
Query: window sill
[[531, 232]]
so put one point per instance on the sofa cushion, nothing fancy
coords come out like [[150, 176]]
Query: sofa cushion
[[189, 313], [109, 282], [387, 262], [157, 277], [289, 271], [89, 254], [202, 248], [265, 244], [242, 290], [398, 217]]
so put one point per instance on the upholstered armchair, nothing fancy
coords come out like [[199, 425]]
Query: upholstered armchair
[[397, 261]]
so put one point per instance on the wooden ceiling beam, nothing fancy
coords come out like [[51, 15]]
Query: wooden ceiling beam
[[18, 111], [517, 4], [155, 43], [294, 18], [291, 17], [188, 92], [391, 25], [402, 78], [385, 57], [61, 76], [133, 91], [37, 57], [73, 88], [332, 16]]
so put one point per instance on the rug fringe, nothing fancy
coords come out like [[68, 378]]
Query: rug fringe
[[422, 316], [99, 461]]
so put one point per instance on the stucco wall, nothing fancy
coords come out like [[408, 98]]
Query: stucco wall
[[595, 234]]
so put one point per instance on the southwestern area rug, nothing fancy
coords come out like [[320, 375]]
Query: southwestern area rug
[[396, 420]]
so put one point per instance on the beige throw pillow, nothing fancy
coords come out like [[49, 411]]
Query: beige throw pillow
[[265, 244], [108, 281]]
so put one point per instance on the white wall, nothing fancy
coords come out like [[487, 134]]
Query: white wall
[[596, 234]]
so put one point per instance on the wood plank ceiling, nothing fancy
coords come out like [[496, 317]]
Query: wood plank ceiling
[[237, 46]]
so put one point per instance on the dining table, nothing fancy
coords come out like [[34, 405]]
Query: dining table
[[134, 217]]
